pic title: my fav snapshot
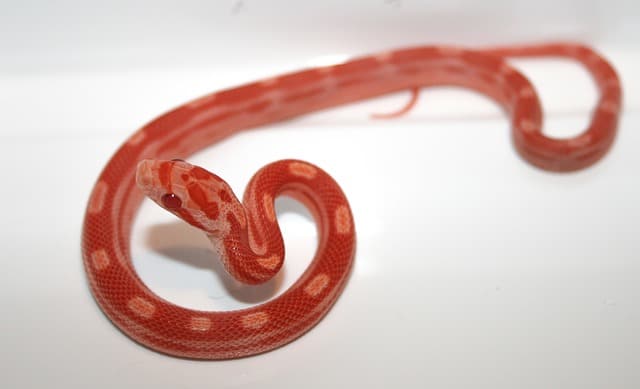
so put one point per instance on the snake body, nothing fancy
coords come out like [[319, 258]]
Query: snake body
[[246, 233]]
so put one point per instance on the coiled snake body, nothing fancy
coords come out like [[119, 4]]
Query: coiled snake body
[[246, 234]]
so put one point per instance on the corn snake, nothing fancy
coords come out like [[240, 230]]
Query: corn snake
[[246, 235]]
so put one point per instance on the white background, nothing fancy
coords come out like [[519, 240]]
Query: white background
[[473, 268]]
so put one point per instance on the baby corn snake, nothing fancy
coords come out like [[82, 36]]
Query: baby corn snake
[[246, 235]]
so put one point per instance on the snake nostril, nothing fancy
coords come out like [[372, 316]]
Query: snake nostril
[[171, 201], [177, 160]]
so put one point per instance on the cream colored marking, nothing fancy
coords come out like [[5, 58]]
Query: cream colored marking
[[136, 138], [301, 169], [254, 321], [526, 91], [506, 69], [527, 125], [579, 141], [201, 324], [325, 69], [343, 220], [269, 262], [609, 107], [199, 102], [317, 285], [98, 197], [269, 209], [100, 259], [384, 57], [141, 307], [269, 81]]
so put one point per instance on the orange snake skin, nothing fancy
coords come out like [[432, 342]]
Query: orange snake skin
[[246, 235]]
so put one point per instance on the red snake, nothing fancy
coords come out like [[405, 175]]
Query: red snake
[[246, 235]]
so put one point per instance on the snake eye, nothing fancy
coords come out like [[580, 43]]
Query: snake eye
[[171, 201], [177, 160]]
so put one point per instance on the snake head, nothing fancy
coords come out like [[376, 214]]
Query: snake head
[[192, 193]]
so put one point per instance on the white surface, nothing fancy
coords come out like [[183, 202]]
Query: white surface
[[473, 268]]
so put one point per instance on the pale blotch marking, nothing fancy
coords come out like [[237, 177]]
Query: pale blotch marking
[[609, 107], [137, 138], [343, 220], [98, 197], [317, 285], [302, 169], [526, 92], [254, 321], [199, 102], [141, 307], [579, 141], [100, 259], [527, 125], [269, 81], [384, 57], [269, 209], [506, 69], [200, 324], [326, 70], [269, 262]]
